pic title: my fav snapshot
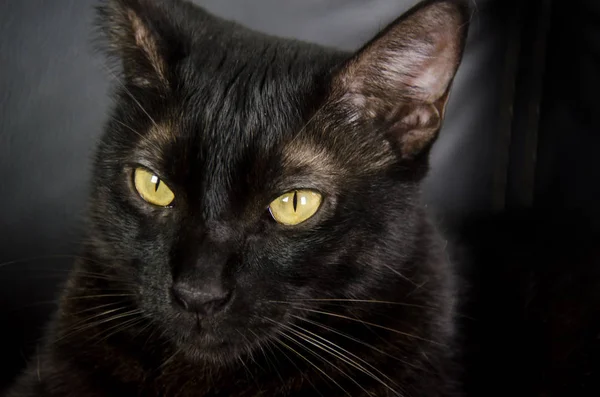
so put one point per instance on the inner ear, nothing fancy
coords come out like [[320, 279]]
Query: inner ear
[[414, 127], [403, 76]]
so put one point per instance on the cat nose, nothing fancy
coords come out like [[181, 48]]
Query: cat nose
[[206, 300]]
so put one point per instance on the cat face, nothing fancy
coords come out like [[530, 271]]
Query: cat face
[[244, 178]]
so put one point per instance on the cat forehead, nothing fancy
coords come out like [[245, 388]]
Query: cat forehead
[[298, 147], [230, 111]]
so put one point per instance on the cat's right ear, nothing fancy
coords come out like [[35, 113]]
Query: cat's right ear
[[403, 76], [141, 36]]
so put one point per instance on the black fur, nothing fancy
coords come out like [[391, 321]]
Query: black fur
[[358, 300]]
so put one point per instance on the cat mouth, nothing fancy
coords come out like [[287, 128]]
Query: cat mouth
[[198, 322], [206, 332], [208, 339], [217, 348]]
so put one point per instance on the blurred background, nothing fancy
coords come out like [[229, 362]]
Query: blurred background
[[515, 170]]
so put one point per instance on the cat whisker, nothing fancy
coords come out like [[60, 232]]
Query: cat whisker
[[343, 300], [87, 326], [150, 142], [245, 367], [305, 126], [109, 289], [120, 328], [104, 313], [307, 360], [102, 276], [402, 276], [264, 352], [56, 275], [338, 352], [356, 340], [408, 335], [97, 296], [324, 348], [144, 328], [277, 340], [167, 361], [89, 309], [248, 349], [128, 92], [150, 335], [386, 341], [129, 128], [320, 357], [251, 357], [85, 322], [356, 319]]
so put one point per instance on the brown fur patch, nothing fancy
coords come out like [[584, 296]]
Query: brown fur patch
[[304, 155], [324, 164], [147, 43], [157, 138], [162, 133]]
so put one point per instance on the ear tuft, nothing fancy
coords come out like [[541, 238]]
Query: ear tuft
[[403, 76], [132, 30]]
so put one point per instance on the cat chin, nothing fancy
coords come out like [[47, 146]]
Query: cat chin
[[220, 353], [220, 347]]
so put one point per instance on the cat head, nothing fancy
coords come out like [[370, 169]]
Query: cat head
[[242, 178]]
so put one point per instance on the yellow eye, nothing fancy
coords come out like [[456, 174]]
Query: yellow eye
[[151, 188], [295, 207]]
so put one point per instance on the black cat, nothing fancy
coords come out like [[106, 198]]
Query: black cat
[[255, 220]]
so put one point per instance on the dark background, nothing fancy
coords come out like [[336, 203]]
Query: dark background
[[520, 140]]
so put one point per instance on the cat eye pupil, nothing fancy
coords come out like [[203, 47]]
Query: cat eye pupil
[[295, 202], [156, 182], [295, 206]]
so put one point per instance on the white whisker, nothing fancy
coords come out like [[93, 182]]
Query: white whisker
[[308, 361]]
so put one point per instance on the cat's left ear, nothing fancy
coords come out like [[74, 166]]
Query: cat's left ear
[[402, 77], [143, 37]]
